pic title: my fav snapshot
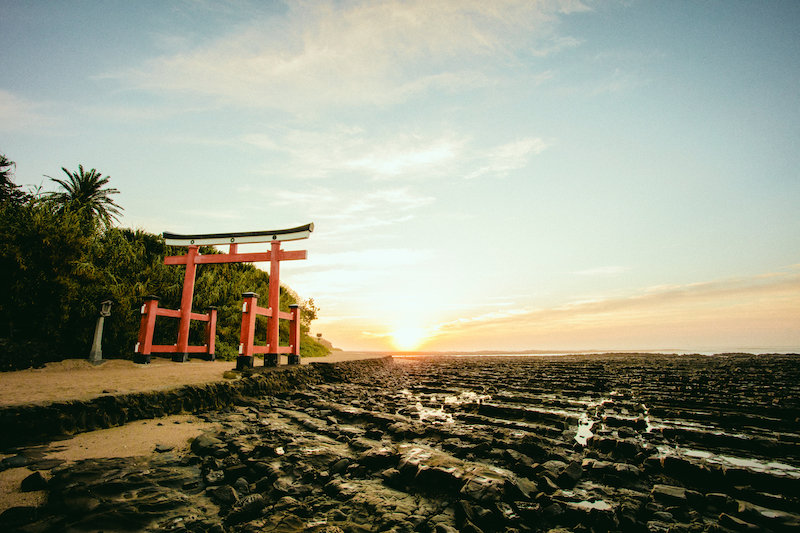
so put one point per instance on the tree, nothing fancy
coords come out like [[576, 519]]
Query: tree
[[8, 189], [86, 191]]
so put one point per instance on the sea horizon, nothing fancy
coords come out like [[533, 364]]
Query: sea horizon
[[779, 350]]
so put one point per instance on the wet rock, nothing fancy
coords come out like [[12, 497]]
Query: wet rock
[[527, 510], [547, 485], [391, 476], [736, 524], [771, 518], [484, 484], [234, 472], [554, 511], [521, 487], [163, 448], [721, 502], [215, 477], [656, 526], [224, 494], [570, 475], [663, 516], [378, 457], [506, 512], [340, 489], [13, 517], [469, 527], [45, 464], [374, 434], [340, 466], [283, 485], [553, 468], [626, 471], [242, 486], [286, 502], [669, 494], [35, 481], [15, 461], [206, 444], [596, 513], [246, 509]]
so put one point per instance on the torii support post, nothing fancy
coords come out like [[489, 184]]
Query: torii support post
[[294, 335], [272, 350], [145, 347]]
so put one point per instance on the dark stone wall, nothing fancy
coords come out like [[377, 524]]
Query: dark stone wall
[[34, 424]]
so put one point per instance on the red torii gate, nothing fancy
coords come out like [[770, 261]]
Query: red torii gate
[[272, 349]]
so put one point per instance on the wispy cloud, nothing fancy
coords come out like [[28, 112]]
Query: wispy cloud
[[359, 53], [500, 160], [355, 151], [603, 271], [346, 214], [719, 304], [18, 114], [407, 157], [323, 153]]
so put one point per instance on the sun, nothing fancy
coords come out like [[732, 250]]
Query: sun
[[408, 337]]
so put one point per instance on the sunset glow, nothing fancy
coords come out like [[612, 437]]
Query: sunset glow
[[408, 338]]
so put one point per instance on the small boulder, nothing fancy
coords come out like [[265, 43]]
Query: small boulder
[[224, 495], [669, 494], [35, 481]]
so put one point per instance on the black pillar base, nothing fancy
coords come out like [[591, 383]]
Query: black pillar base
[[180, 357], [270, 359], [208, 357], [141, 359], [244, 362], [294, 359]]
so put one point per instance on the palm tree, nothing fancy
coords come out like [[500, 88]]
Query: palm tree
[[84, 190], [8, 189]]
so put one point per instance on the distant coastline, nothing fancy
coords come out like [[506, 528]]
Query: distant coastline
[[784, 350]]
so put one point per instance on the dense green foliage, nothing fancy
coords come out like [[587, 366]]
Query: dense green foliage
[[59, 259]]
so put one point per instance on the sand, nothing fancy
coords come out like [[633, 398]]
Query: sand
[[134, 439], [77, 379]]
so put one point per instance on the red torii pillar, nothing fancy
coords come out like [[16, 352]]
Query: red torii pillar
[[181, 349]]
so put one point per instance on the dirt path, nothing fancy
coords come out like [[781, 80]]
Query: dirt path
[[77, 379]]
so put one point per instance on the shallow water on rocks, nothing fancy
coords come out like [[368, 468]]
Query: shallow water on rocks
[[586, 443]]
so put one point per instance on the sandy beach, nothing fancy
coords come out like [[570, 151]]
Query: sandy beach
[[77, 379]]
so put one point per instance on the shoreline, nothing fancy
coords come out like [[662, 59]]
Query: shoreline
[[440, 444], [443, 444]]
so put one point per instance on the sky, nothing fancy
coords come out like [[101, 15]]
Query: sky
[[506, 175]]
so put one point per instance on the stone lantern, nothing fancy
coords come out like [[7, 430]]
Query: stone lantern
[[96, 355]]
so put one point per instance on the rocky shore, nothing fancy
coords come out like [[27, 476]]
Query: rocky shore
[[577, 443]]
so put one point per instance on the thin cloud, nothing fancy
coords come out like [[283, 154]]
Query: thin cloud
[[603, 271], [18, 114], [710, 301], [407, 157], [501, 160], [343, 150], [345, 215], [319, 54], [315, 154]]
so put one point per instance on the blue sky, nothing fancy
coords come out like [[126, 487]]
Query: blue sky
[[482, 175]]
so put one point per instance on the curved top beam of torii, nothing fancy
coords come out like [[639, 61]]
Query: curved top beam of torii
[[291, 234]]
